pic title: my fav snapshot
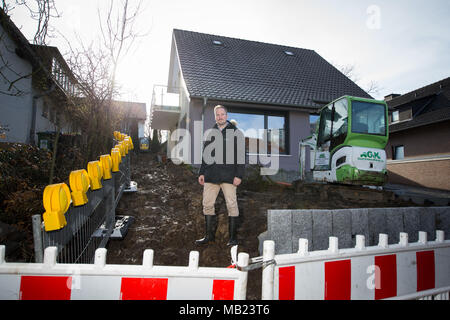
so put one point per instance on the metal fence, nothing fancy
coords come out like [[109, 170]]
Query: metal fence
[[89, 226]]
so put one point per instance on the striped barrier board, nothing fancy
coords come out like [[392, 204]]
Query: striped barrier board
[[100, 281], [400, 271]]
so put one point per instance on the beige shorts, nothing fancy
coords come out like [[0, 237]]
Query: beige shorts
[[210, 192]]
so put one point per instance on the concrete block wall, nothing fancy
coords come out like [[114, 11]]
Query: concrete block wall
[[285, 227]]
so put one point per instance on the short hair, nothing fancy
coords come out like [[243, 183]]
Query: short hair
[[219, 106]]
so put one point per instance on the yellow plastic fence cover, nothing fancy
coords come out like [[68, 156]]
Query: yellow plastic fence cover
[[79, 183], [95, 174], [106, 164], [56, 200]]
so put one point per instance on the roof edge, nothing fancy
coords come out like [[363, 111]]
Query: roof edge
[[297, 107], [236, 38], [415, 92]]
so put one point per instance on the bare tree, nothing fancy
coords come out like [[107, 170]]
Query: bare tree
[[118, 31], [95, 67], [349, 71], [118, 35], [90, 103]]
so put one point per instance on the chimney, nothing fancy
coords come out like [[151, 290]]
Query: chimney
[[391, 96]]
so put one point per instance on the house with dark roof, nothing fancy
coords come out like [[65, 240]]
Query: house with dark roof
[[418, 150], [35, 81], [264, 87], [134, 115], [35, 85]]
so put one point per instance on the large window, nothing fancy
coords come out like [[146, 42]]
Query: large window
[[368, 118], [262, 130]]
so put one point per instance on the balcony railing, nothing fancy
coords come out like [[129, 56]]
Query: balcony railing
[[165, 98], [166, 107]]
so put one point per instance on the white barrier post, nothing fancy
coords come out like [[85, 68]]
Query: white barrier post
[[439, 236], [383, 240], [193, 260], [360, 242], [50, 254], [100, 257], [403, 239], [333, 246], [147, 260], [423, 237], [2, 254], [243, 259], [303, 247], [268, 271]]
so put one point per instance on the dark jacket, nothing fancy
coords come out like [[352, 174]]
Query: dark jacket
[[225, 172]]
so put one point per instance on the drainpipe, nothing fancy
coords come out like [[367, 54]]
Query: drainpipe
[[34, 110], [205, 101]]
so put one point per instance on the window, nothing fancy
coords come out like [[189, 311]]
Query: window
[[340, 123], [395, 116], [260, 126], [289, 53], [368, 118], [61, 77], [325, 128], [399, 153], [217, 42], [333, 125], [276, 133]]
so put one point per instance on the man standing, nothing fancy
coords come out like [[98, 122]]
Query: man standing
[[224, 173]]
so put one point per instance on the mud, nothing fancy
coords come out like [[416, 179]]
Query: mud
[[168, 214]]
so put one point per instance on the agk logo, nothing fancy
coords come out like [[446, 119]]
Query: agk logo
[[370, 155]]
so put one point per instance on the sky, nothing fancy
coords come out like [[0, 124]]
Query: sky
[[402, 45]]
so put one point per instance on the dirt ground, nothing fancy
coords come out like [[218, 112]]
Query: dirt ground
[[168, 215]]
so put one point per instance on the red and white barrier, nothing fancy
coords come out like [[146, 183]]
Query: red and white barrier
[[400, 271], [100, 281]]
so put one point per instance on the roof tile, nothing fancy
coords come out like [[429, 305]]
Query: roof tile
[[250, 71]]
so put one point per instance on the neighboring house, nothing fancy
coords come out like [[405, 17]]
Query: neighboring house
[[134, 118], [34, 84], [418, 150], [264, 86]]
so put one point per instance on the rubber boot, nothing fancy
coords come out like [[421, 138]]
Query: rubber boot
[[210, 233], [232, 229]]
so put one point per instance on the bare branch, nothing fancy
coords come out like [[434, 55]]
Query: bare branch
[[118, 31], [350, 72], [41, 11], [373, 88]]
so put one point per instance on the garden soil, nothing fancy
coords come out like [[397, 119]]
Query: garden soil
[[168, 214]]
